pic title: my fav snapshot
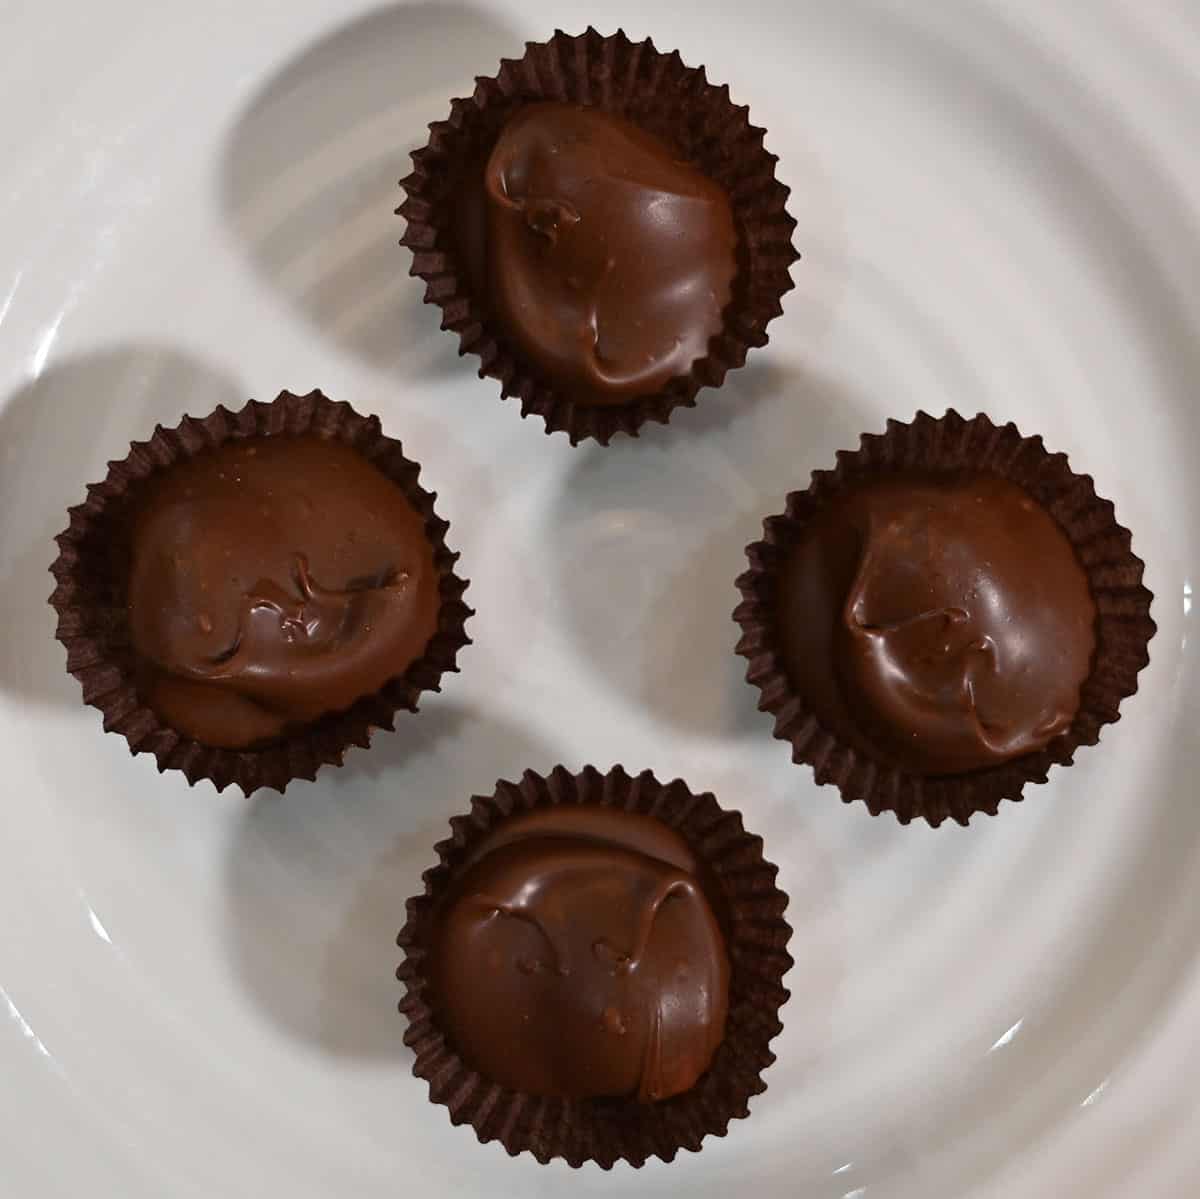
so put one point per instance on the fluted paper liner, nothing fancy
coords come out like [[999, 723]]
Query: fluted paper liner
[[93, 623], [657, 92], [610, 1130], [948, 444]]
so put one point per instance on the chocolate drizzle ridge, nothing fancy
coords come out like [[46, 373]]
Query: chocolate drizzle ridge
[[672, 101], [953, 444], [93, 624], [610, 1130]]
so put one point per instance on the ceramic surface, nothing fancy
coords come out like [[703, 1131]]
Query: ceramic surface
[[996, 206]]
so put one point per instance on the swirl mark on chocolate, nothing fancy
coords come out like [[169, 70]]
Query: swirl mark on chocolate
[[939, 623], [608, 259], [632, 996], [272, 581]]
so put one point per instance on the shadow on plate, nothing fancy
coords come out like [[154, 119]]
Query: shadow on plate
[[317, 879], [311, 172], [650, 536], [57, 433]]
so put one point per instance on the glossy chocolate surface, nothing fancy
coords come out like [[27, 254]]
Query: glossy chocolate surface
[[577, 954], [271, 581], [608, 259], [939, 624]]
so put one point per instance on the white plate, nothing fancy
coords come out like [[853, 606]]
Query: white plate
[[995, 207]]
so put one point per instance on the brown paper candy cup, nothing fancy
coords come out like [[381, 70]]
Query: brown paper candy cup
[[93, 623], [607, 1130], [657, 92], [950, 444]]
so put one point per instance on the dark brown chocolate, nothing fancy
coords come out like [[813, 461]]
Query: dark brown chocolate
[[607, 258], [577, 955], [940, 624], [271, 581]]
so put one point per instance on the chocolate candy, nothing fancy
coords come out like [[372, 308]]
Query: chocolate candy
[[577, 954], [607, 258], [940, 624], [271, 581]]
